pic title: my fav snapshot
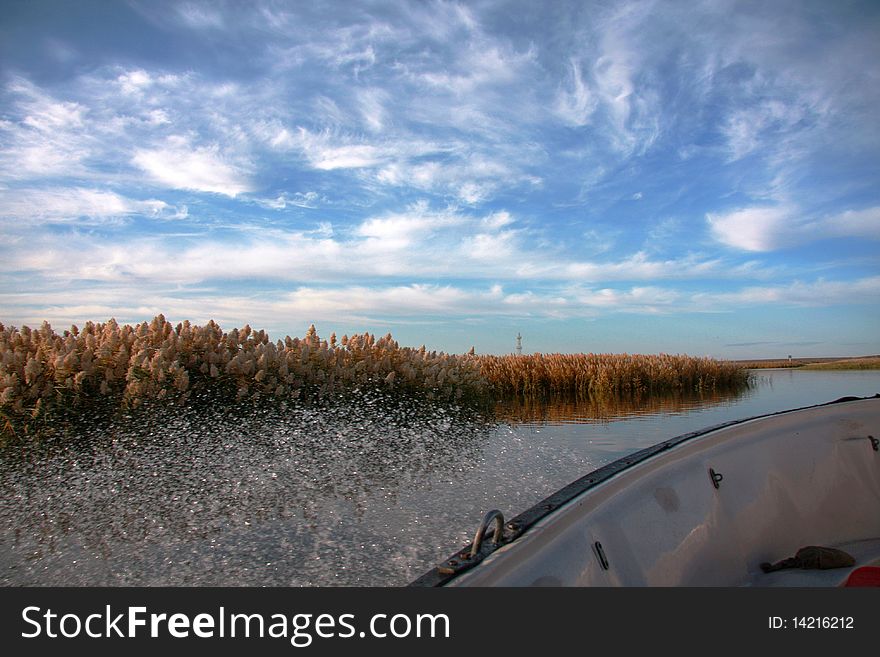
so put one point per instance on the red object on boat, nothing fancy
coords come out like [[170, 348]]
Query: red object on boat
[[864, 576]]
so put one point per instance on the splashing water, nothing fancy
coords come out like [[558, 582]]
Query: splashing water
[[275, 496]]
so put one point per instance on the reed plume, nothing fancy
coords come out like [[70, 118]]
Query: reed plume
[[582, 376], [44, 374]]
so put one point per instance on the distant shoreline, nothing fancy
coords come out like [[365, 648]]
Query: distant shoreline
[[826, 363]]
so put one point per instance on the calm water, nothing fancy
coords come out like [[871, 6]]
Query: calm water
[[372, 493]]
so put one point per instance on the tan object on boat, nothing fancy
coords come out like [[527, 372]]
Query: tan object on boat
[[813, 557]]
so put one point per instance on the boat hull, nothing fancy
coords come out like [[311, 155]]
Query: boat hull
[[704, 509]]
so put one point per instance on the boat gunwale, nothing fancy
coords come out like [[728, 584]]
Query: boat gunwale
[[461, 560]]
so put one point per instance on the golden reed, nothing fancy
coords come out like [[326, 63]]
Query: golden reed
[[43, 371]]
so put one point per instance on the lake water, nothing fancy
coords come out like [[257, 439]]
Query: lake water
[[371, 493]]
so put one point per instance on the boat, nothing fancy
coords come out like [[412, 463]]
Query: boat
[[706, 508]]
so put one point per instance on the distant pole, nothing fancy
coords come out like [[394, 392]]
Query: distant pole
[[518, 344]]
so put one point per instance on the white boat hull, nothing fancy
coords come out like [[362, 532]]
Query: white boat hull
[[804, 477]]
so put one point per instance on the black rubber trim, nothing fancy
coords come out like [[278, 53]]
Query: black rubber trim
[[461, 560]]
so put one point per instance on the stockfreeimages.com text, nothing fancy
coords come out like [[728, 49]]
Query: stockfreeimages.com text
[[300, 629]]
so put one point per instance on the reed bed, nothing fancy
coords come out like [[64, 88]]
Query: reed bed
[[584, 376], [106, 366], [45, 372]]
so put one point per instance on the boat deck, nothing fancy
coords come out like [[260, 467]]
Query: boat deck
[[866, 553]]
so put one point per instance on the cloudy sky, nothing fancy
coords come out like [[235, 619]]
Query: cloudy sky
[[695, 177]]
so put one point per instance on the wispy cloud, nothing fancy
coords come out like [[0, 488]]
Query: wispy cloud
[[325, 152], [574, 101], [43, 138], [418, 244], [750, 129], [297, 199], [75, 204], [200, 15], [821, 292], [180, 165]]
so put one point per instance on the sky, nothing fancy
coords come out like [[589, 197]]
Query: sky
[[642, 177]]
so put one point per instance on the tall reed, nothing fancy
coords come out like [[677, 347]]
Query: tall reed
[[581, 376], [44, 374]]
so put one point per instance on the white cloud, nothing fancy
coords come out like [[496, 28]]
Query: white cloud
[[816, 293], [328, 111], [134, 82], [326, 152], [497, 220], [854, 223], [275, 135], [646, 299], [372, 103], [481, 63], [407, 231], [631, 111], [638, 266], [45, 136], [41, 111], [355, 156], [490, 248], [413, 245], [749, 129], [391, 301], [200, 15], [60, 204], [575, 104], [470, 178], [32, 157], [361, 59], [613, 78], [180, 165], [388, 130], [751, 229], [90, 140], [372, 305], [453, 169], [367, 305], [297, 199], [158, 117], [767, 228]]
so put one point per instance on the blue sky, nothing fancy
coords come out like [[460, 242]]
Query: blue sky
[[686, 177]]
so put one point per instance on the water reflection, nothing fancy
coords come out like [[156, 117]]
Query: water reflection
[[609, 409]]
